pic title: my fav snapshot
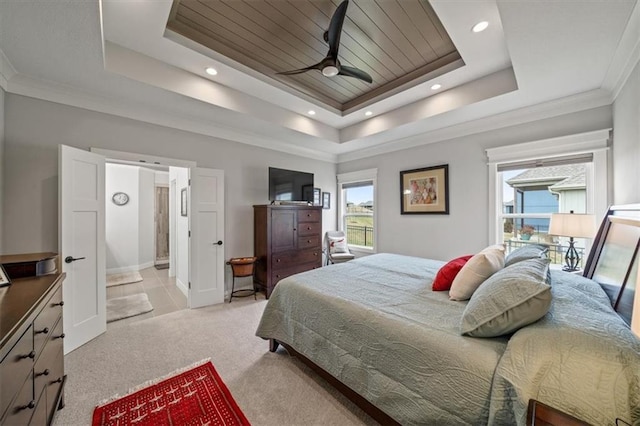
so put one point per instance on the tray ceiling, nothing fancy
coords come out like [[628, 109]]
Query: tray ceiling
[[400, 43]]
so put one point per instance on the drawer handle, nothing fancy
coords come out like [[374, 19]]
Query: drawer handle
[[31, 405], [61, 303], [277, 276], [31, 355], [43, 331], [294, 229], [308, 228], [309, 241], [58, 380], [60, 336], [278, 260], [308, 214], [44, 373]]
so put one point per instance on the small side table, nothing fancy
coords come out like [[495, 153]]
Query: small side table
[[242, 267], [540, 414]]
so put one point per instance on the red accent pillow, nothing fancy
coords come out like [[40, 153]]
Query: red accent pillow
[[448, 272]]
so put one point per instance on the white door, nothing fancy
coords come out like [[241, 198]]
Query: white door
[[206, 223], [82, 244]]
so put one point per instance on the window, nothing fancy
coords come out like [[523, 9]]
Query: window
[[357, 198], [531, 181]]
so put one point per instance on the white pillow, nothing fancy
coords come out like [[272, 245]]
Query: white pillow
[[475, 271], [338, 245]]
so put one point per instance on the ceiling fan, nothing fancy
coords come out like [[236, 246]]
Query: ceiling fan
[[330, 65]]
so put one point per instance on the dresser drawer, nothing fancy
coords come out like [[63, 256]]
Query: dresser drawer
[[308, 216], [46, 319], [310, 241], [310, 228], [15, 367], [293, 259], [23, 406], [45, 369], [284, 273]]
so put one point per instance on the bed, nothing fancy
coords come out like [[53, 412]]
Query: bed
[[374, 328]]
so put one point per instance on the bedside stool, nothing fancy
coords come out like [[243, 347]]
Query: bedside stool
[[242, 267]]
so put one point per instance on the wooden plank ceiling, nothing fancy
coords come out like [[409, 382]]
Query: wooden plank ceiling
[[400, 43]]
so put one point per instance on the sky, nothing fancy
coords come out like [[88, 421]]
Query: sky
[[360, 195], [507, 191]]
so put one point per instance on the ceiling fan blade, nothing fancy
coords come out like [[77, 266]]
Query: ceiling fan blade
[[332, 35], [301, 70], [356, 73]]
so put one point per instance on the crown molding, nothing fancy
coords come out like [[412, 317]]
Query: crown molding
[[570, 104], [626, 56], [62, 94], [7, 71]]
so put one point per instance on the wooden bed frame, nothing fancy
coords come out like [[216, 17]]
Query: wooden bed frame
[[617, 241]]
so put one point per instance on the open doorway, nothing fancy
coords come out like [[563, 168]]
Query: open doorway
[[140, 280]]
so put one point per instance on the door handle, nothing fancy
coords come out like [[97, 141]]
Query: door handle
[[70, 259], [218, 243]]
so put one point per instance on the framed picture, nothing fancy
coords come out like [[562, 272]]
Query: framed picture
[[316, 197], [183, 202], [425, 191], [326, 200], [4, 278]]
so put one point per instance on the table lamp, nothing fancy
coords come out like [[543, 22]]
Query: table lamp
[[572, 225]]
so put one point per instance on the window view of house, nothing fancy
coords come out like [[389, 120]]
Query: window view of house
[[531, 195], [358, 216]]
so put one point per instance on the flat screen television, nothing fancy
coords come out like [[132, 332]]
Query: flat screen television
[[290, 185]]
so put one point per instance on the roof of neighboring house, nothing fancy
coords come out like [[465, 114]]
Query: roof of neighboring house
[[565, 177], [578, 181]]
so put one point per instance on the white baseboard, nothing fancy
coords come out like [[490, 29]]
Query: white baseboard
[[131, 268], [183, 288]]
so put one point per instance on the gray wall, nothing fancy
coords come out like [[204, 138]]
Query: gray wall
[[34, 128], [464, 230], [626, 145], [2, 168]]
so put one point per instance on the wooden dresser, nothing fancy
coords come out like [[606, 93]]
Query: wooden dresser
[[287, 240], [31, 349]]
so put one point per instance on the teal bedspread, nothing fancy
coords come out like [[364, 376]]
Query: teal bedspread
[[375, 325]]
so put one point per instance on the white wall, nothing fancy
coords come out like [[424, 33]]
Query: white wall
[[626, 141], [2, 168], [121, 222], [146, 218], [181, 176], [464, 230], [35, 128]]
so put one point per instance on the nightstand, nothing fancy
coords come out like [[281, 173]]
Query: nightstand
[[557, 267], [540, 414]]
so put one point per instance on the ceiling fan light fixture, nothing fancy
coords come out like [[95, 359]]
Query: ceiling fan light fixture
[[211, 71], [480, 26], [330, 71]]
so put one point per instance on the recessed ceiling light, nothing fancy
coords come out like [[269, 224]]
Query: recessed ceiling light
[[312, 112], [368, 113], [480, 26], [211, 71], [436, 86]]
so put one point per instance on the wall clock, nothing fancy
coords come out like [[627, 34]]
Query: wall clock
[[120, 198]]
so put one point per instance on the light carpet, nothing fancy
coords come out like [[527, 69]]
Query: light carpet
[[272, 388], [123, 278], [128, 306]]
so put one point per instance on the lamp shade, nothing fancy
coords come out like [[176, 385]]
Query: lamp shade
[[576, 225]]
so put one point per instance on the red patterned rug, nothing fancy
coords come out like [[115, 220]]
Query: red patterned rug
[[197, 396]]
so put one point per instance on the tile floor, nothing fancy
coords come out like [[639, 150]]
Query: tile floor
[[161, 289]]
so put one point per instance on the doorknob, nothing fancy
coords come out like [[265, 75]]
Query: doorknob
[[70, 259], [218, 243]]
